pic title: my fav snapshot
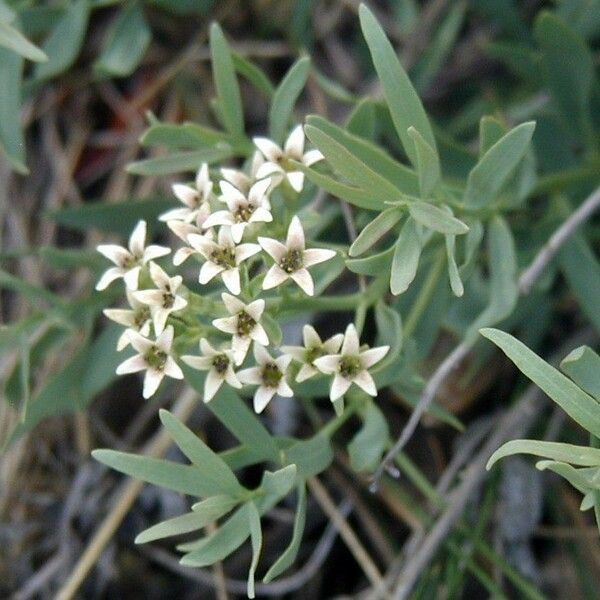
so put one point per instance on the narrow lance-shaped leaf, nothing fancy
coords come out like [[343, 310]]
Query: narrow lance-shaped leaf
[[289, 555], [375, 230], [428, 164], [404, 104], [65, 41], [582, 365], [14, 40], [436, 218], [456, 283], [253, 74], [581, 407], [285, 97], [367, 446], [389, 331], [228, 91], [406, 258], [126, 42], [489, 175], [574, 476], [203, 513], [179, 162], [577, 455], [211, 466], [256, 541], [375, 265]]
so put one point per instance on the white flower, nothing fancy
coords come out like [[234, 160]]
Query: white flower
[[243, 209], [269, 375], [218, 363], [239, 179], [276, 158], [154, 357], [292, 259], [313, 348], [164, 299], [183, 231], [195, 199], [243, 325], [137, 318], [129, 261], [350, 366], [223, 257]]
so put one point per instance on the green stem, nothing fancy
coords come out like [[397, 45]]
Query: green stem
[[425, 295]]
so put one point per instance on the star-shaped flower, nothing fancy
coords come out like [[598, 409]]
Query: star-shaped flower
[[164, 299], [269, 375], [243, 209], [313, 348], [196, 200], [292, 259], [351, 365], [276, 157], [137, 318], [223, 257], [243, 325], [129, 261], [154, 357], [218, 363]]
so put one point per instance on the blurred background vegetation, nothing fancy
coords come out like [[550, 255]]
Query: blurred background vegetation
[[72, 170]]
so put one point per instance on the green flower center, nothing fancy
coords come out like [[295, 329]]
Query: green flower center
[[350, 367], [140, 316], [224, 257], [156, 358], [168, 299], [292, 261], [271, 375], [313, 353], [130, 261], [245, 324], [220, 363], [242, 214]]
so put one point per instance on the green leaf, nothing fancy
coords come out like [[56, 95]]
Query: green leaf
[[253, 74], [377, 159], [353, 195], [289, 555], [491, 131], [228, 92], [568, 67], [503, 288], [406, 258], [456, 283], [428, 164], [239, 419], [374, 265], [12, 141], [581, 407], [65, 41], [352, 168], [284, 100], [14, 40], [186, 136], [211, 466], [272, 329], [389, 331], [203, 513], [489, 175], [280, 482], [256, 541], [188, 479], [404, 104], [436, 218], [180, 161], [575, 477], [375, 230], [582, 365], [117, 218], [311, 456], [126, 42], [367, 446], [576, 455]]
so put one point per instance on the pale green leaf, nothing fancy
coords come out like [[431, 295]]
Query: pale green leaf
[[428, 164], [582, 365], [404, 104], [180, 161], [436, 218], [280, 482], [575, 477], [374, 266], [256, 541], [406, 258], [456, 283], [375, 230], [14, 40], [369, 443], [311, 456], [581, 407]]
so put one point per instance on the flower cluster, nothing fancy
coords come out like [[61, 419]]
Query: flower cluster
[[225, 232]]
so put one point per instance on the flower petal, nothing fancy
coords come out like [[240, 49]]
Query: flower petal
[[108, 277], [311, 157], [239, 179], [259, 335], [231, 279], [132, 277], [139, 342], [294, 145], [206, 348], [258, 191], [304, 280], [132, 365], [275, 276], [262, 397], [227, 325], [240, 347], [284, 390], [235, 305], [261, 215], [116, 254], [339, 387], [182, 255], [212, 383], [152, 252], [208, 271], [370, 357], [245, 251], [151, 382], [283, 362], [230, 194], [364, 381], [250, 376], [314, 256], [306, 372], [165, 340], [327, 364], [296, 352], [310, 337], [187, 194], [270, 150], [237, 231], [295, 235], [220, 217], [231, 378], [172, 369], [121, 316], [296, 179], [261, 356], [351, 345], [332, 345], [273, 248], [202, 363], [137, 239]]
